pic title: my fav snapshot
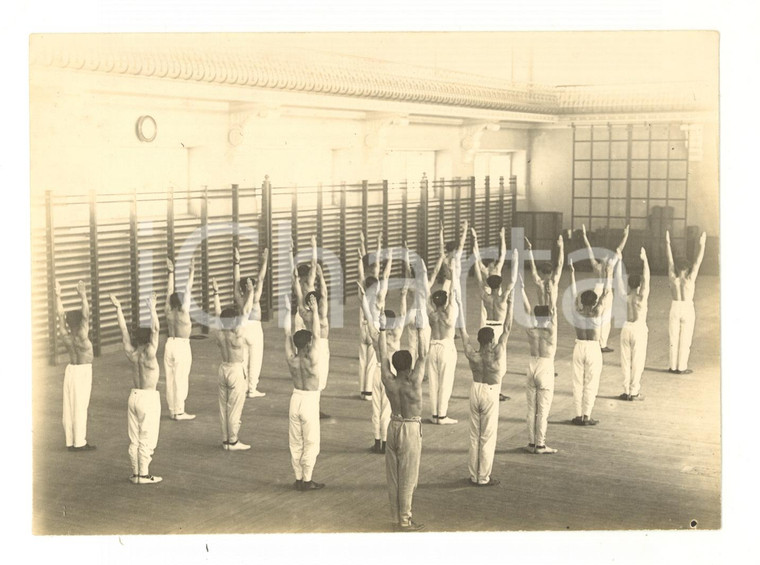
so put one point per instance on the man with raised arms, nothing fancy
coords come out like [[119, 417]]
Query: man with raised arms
[[368, 364], [587, 355], [302, 352], [682, 279], [539, 388], [442, 356], [74, 330], [144, 405], [598, 268], [495, 267], [547, 277], [305, 276], [178, 358], [233, 340], [254, 355], [404, 447], [488, 364], [634, 335], [493, 298]]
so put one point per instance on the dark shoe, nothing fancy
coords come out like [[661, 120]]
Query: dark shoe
[[491, 483], [298, 485], [323, 416], [410, 527], [311, 485], [147, 480], [377, 448], [607, 350], [503, 397], [625, 396], [382, 446], [674, 371], [685, 372], [635, 397], [85, 447], [544, 449], [588, 421], [578, 421], [556, 375], [530, 448]]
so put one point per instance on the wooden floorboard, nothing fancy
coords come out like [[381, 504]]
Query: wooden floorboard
[[647, 465]]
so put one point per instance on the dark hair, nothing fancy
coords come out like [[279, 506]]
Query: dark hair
[[485, 335], [309, 294], [143, 336], [369, 282], [494, 281], [402, 360], [634, 281], [542, 311], [175, 301], [451, 246], [389, 314], [588, 298], [229, 317], [440, 297], [681, 264], [74, 320], [302, 338], [304, 269], [545, 268], [243, 284]]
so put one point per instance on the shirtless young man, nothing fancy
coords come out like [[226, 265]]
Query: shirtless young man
[[548, 279], [634, 335], [488, 365], [178, 358], [442, 356], [307, 313], [302, 351], [233, 340], [539, 387], [587, 355], [368, 364], [682, 280], [254, 355], [404, 447], [418, 277], [452, 252], [598, 269], [144, 405], [381, 410], [494, 298], [74, 329]]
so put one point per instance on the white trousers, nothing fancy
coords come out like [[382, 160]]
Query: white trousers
[[143, 421], [232, 392], [587, 368], [539, 390], [254, 354], [498, 330], [303, 432], [633, 355], [77, 386], [367, 362], [324, 363], [402, 465], [178, 358], [681, 331], [441, 364], [484, 422], [381, 407]]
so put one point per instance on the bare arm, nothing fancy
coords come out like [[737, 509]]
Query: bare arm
[[594, 263], [262, 276], [315, 329], [189, 288], [382, 347], [533, 269], [436, 270], [557, 273], [573, 288], [215, 296], [422, 351], [645, 274], [462, 239], [125, 339], [154, 327], [287, 324], [362, 278], [469, 350], [313, 270], [376, 266], [526, 302], [515, 270], [60, 312], [86, 307], [669, 254], [364, 308], [502, 251], [700, 255], [248, 304], [478, 262], [620, 247], [609, 265], [382, 288], [323, 302], [169, 284], [362, 244], [507, 320]]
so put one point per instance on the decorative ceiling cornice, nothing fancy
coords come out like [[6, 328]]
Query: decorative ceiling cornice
[[243, 65]]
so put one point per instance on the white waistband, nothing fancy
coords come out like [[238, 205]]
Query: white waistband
[[187, 339], [306, 392], [485, 385], [143, 391], [448, 340]]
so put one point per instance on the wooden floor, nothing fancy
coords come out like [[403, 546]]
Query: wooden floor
[[647, 465]]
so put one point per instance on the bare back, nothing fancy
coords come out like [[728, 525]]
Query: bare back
[[79, 346], [682, 287], [179, 323], [442, 321], [303, 369], [488, 365], [637, 308], [404, 393], [543, 341], [145, 370], [232, 344]]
